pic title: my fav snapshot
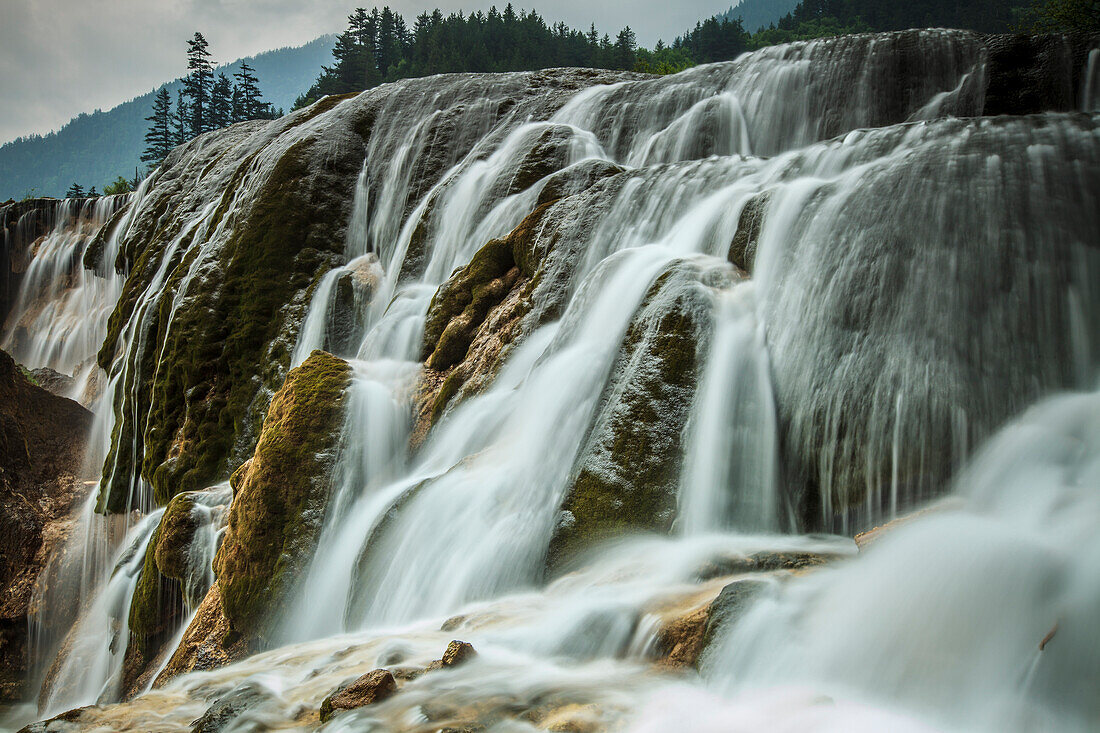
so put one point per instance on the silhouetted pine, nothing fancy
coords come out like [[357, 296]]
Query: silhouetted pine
[[160, 139], [180, 121], [379, 46], [198, 84], [221, 102], [76, 191]]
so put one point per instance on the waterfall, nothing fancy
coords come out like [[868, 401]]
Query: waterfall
[[736, 308]]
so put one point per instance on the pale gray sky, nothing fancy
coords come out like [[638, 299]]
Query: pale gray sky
[[62, 57]]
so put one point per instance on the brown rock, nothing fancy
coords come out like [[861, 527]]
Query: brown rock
[[458, 652], [42, 440], [208, 643], [372, 687]]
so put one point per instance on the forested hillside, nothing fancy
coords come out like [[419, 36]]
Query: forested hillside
[[757, 14], [94, 149]]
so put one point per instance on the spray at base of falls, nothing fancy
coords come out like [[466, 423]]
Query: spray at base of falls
[[601, 369]]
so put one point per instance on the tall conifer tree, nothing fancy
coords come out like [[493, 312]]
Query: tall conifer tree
[[199, 84], [159, 140]]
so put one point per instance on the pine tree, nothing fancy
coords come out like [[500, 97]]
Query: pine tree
[[221, 103], [625, 45], [92, 193], [76, 191], [236, 106], [159, 140], [180, 121], [247, 91], [198, 84]]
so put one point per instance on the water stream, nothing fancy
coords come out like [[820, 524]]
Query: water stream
[[918, 278]]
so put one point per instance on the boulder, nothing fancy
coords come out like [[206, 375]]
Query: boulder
[[372, 687], [279, 506], [457, 652]]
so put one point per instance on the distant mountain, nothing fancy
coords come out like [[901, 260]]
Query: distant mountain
[[757, 14], [94, 149]]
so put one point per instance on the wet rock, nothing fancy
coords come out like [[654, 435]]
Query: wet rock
[[742, 251], [457, 652], [372, 687], [473, 319], [629, 470], [576, 178], [174, 578], [42, 440], [761, 562], [686, 633], [278, 201], [732, 603], [208, 643], [680, 641], [226, 710], [279, 507], [573, 718], [1028, 74], [45, 726], [353, 291]]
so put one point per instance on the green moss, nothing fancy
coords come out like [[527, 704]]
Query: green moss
[[28, 375], [195, 402], [157, 600], [174, 537], [629, 471], [277, 513]]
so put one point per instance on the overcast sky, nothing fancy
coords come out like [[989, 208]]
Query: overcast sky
[[62, 57]]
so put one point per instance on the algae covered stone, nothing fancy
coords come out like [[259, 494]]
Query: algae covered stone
[[628, 474], [280, 501]]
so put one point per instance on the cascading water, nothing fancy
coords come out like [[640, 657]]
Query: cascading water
[[60, 315], [816, 339]]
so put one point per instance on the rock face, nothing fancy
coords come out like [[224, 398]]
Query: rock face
[[208, 643], [237, 227], [1033, 74], [473, 319], [279, 505], [42, 440], [629, 472], [372, 687], [175, 577]]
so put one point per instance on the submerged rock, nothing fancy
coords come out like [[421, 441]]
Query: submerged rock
[[228, 708], [280, 503], [372, 687]]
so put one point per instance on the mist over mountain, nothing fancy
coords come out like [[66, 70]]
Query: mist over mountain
[[94, 149]]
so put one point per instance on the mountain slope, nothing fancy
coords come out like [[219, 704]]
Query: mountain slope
[[94, 149]]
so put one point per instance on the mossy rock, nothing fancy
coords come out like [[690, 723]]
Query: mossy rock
[[462, 303], [157, 600], [279, 506], [576, 178], [194, 399], [627, 478]]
